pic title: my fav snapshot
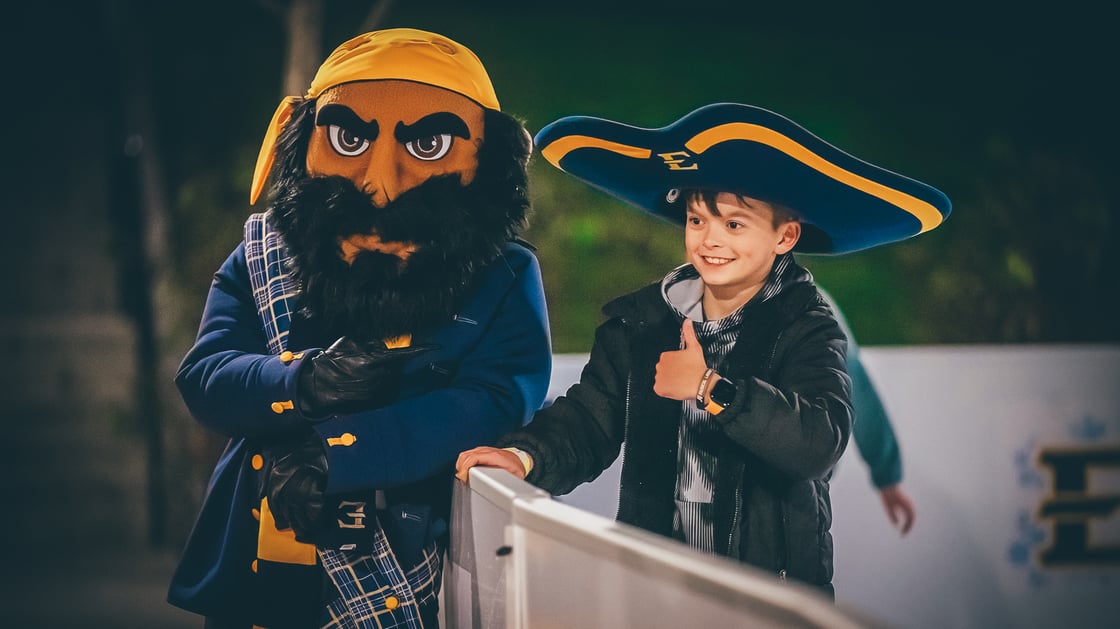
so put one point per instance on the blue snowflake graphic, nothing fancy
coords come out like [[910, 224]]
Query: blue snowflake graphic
[[1088, 429], [1024, 464], [1028, 536]]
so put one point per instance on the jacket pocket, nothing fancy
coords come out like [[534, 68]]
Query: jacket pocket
[[434, 375], [406, 527]]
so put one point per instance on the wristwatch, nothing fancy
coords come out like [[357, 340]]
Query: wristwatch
[[721, 396]]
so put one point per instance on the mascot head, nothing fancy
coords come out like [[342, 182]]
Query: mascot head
[[393, 179]]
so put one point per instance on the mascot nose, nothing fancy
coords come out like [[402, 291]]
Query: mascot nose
[[377, 194], [382, 179]]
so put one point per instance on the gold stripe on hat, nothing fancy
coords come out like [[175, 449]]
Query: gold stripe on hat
[[927, 215], [556, 151]]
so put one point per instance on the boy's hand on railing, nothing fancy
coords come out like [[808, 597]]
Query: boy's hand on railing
[[487, 456]]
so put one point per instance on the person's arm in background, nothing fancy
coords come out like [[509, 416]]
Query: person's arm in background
[[877, 445], [874, 436]]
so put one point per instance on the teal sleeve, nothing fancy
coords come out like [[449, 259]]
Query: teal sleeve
[[873, 434], [871, 429]]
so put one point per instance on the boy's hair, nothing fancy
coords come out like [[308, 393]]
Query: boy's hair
[[782, 214]]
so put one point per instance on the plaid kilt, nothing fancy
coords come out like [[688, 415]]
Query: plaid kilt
[[373, 594]]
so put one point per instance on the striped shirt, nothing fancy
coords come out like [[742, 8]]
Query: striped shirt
[[700, 435]]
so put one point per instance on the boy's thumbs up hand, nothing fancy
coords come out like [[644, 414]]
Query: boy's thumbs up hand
[[679, 372]]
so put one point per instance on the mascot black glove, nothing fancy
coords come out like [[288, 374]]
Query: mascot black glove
[[296, 485], [349, 376]]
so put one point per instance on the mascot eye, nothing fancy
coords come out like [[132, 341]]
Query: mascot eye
[[346, 142], [430, 148]]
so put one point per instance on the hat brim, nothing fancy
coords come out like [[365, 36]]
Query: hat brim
[[845, 203]]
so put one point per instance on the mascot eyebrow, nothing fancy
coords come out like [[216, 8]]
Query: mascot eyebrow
[[345, 117], [432, 124]]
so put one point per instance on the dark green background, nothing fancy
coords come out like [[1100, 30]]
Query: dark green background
[[1005, 108]]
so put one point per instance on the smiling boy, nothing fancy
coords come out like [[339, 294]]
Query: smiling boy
[[758, 358], [723, 384]]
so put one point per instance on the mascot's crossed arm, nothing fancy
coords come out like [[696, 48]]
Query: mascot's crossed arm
[[379, 317]]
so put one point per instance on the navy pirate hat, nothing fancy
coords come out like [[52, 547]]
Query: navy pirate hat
[[845, 204]]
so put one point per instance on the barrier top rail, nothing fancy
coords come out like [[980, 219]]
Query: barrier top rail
[[752, 594]]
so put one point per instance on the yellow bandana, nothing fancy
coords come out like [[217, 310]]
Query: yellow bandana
[[398, 53]]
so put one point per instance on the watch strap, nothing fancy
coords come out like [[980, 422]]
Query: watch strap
[[702, 392], [716, 407], [526, 460]]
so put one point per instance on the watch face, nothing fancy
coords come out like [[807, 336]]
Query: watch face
[[723, 392]]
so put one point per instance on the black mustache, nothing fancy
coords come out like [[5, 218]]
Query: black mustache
[[378, 295], [317, 212]]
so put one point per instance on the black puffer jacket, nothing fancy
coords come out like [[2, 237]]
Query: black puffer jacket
[[786, 428]]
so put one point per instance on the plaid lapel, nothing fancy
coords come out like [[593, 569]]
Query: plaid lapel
[[375, 591], [274, 291]]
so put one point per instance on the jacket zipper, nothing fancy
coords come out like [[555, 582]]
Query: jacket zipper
[[783, 546], [625, 429], [625, 437], [738, 514], [783, 559], [626, 406], [626, 417], [774, 352]]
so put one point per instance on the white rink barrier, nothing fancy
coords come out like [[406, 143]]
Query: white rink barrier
[[1012, 456], [520, 560]]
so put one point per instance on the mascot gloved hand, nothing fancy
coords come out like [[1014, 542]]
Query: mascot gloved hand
[[350, 376], [295, 489]]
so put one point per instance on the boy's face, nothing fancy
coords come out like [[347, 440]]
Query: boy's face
[[734, 247]]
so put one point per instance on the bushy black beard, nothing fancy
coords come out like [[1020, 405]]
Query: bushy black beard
[[457, 228]]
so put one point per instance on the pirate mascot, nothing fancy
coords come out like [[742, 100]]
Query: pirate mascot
[[378, 318]]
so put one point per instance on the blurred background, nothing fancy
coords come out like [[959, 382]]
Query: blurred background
[[134, 127]]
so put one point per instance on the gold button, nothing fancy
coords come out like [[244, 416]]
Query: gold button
[[280, 407], [286, 356], [254, 565], [257, 461], [257, 514], [345, 439], [391, 602]]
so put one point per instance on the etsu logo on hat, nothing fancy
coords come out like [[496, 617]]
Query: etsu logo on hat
[[845, 204], [677, 160]]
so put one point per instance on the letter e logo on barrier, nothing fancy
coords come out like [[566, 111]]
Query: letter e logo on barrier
[[1074, 504]]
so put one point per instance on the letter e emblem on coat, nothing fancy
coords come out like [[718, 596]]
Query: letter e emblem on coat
[[356, 513]]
